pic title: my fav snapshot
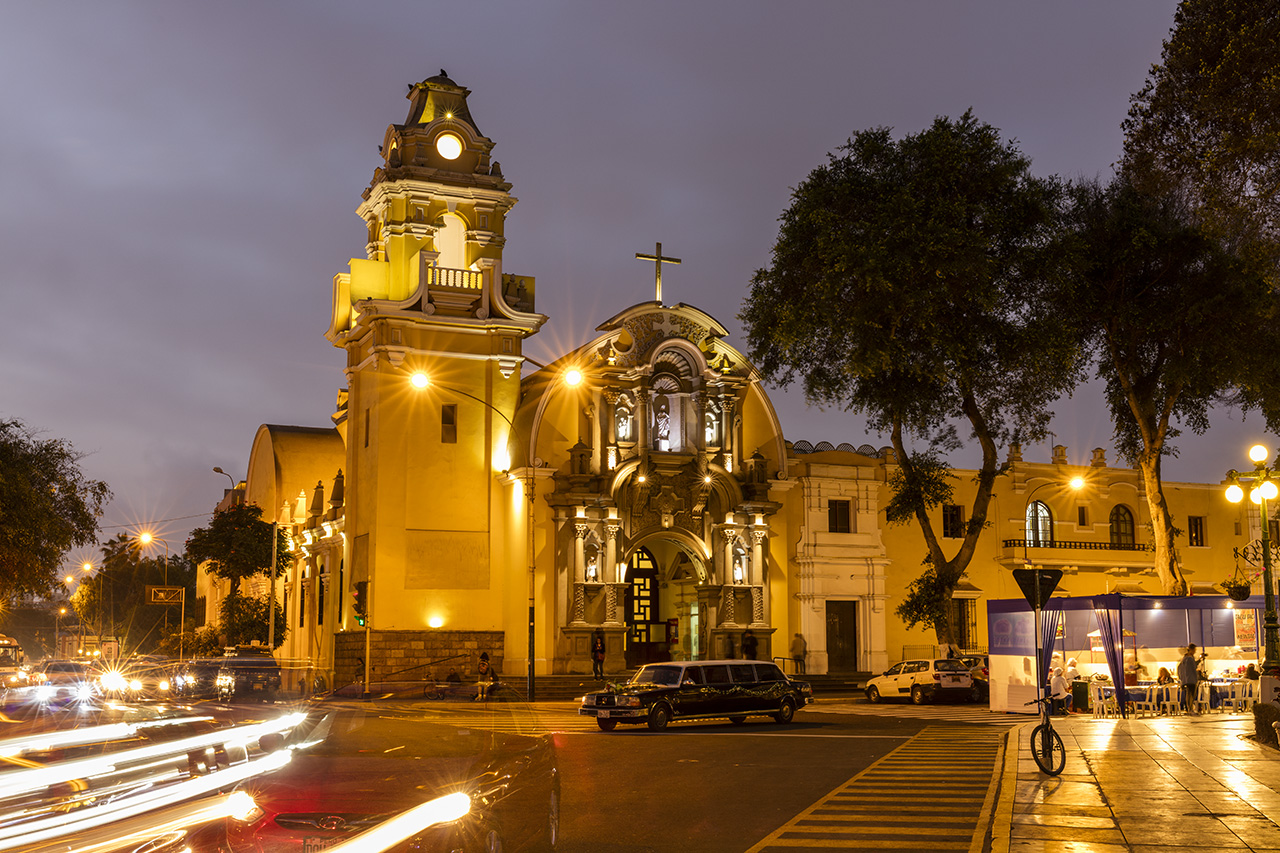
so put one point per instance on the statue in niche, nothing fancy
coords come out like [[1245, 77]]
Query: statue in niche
[[711, 428], [739, 563], [664, 423], [622, 423]]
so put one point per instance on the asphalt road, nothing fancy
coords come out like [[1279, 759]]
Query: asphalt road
[[710, 787]]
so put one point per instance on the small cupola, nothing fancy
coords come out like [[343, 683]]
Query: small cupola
[[439, 139]]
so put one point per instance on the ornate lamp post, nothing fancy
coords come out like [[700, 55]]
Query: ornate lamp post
[[571, 377], [1262, 489]]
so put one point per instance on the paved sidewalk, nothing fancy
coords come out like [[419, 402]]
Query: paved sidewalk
[[1150, 784]]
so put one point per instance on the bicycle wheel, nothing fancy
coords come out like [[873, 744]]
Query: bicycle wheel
[[1047, 750]]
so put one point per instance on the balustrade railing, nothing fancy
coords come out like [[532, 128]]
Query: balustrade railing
[[461, 279], [1079, 546]]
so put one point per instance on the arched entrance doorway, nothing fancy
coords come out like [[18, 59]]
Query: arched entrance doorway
[[663, 615]]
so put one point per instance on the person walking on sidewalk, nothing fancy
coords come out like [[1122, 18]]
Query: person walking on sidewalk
[[798, 651], [1187, 677]]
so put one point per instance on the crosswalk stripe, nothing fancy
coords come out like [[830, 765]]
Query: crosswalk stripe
[[950, 774]]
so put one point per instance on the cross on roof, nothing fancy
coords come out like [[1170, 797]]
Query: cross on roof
[[658, 261]]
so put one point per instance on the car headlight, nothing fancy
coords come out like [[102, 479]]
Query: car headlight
[[242, 807], [112, 681], [164, 685], [629, 701], [135, 685]]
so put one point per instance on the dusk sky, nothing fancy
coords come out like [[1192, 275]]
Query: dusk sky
[[178, 184]]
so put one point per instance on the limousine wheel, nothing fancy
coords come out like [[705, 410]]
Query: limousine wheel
[[786, 710], [606, 725], [738, 720], [659, 716]]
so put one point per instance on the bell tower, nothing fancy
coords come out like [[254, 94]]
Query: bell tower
[[428, 522]]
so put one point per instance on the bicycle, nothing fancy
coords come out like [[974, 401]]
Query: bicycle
[[1046, 744]]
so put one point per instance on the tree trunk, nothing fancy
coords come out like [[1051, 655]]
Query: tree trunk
[[1167, 568]]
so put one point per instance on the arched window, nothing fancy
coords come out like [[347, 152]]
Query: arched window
[[1122, 526], [1039, 525], [451, 242]]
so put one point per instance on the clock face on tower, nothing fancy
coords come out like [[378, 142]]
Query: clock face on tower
[[448, 146]]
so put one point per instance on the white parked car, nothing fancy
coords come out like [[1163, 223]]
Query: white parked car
[[922, 681]]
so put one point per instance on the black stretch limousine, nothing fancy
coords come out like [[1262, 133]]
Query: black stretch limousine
[[699, 690]]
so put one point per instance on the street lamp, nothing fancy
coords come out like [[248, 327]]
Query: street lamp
[[1262, 489], [146, 538], [57, 630], [571, 377]]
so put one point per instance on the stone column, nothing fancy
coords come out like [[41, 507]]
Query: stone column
[[758, 566], [727, 609], [727, 444], [579, 594], [611, 571]]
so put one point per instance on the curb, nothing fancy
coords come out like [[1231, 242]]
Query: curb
[[1002, 821]]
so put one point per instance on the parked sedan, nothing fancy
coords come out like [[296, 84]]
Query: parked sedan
[[699, 690], [981, 675], [357, 763], [922, 681]]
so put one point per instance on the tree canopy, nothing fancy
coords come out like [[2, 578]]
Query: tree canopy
[[1177, 323], [1206, 125], [237, 545], [906, 284], [47, 507]]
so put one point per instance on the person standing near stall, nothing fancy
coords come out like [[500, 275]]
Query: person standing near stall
[[1187, 677]]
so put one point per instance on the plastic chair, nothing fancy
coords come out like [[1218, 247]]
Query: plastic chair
[[1143, 700], [1103, 705], [1204, 698], [1169, 703], [1247, 693]]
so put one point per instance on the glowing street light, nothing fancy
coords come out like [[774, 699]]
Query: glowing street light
[[1262, 488]]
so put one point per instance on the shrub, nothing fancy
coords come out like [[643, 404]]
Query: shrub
[[1264, 714]]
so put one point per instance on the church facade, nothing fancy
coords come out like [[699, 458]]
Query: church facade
[[466, 500]]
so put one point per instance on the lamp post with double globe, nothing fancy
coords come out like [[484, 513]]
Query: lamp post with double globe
[[1262, 488]]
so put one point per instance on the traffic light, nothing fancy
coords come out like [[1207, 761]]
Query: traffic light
[[360, 601]]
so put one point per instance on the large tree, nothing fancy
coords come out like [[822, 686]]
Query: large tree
[[1206, 126], [47, 507], [1177, 321], [905, 284], [236, 546], [1178, 257]]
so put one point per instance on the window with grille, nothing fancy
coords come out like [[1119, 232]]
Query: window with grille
[[838, 517], [952, 521], [1122, 526], [964, 622], [1195, 531]]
